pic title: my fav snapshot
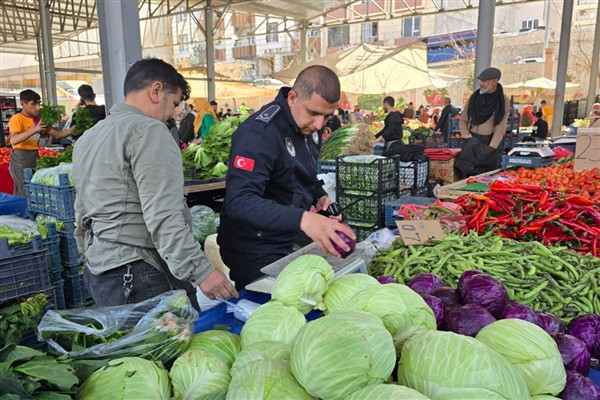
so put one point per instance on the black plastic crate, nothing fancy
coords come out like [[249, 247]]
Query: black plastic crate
[[434, 142], [363, 230], [22, 271], [76, 295], [456, 142], [59, 294], [325, 166], [69, 254], [367, 173], [413, 174], [189, 172], [56, 201], [364, 207]]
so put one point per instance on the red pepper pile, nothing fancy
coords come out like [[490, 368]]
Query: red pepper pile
[[526, 212]]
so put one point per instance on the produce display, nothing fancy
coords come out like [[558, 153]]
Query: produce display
[[50, 176], [534, 213], [350, 139], [5, 153], [17, 319], [550, 279], [19, 231], [52, 160], [83, 119], [50, 115]]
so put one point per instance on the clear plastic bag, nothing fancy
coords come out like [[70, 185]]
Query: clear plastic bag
[[19, 230], [156, 329], [447, 213], [44, 220], [49, 176], [203, 222]]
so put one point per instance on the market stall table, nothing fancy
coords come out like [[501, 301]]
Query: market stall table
[[462, 187]]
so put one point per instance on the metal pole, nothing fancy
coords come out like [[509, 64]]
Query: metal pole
[[210, 50], [41, 68], [485, 38], [547, 23], [303, 42], [561, 73], [120, 45], [594, 71], [46, 32]]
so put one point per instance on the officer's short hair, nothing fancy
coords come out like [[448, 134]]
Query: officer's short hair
[[148, 70], [389, 100], [28, 95], [86, 92], [320, 80]]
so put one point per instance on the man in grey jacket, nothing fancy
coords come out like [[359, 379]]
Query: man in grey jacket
[[133, 225]]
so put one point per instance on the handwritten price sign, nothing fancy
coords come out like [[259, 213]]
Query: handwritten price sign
[[587, 149], [419, 232]]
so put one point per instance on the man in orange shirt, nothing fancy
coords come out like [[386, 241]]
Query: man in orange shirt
[[25, 129]]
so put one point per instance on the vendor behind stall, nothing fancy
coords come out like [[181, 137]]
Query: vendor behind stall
[[271, 182], [392, 129]]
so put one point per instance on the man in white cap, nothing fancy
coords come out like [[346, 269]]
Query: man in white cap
[[483, 123]]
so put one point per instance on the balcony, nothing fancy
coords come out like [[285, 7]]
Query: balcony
[[244, 51]]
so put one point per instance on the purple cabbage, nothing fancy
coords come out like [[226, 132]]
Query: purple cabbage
[[448, 296], [437, 306], [486, 291], [425, 283], [579, 387], [551, 323], [587, 329], [387, 279], [468, 320], [574, 353], [466, 275], [521, 311], [350, 242]]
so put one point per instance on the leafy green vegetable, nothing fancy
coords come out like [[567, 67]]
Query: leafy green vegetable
[[272, 321], [224, 345], [203, 223], [531, 350], [19, 231], [197, 373], [303, 283], [50, 115], [65, 156], [341, 352], [449, 366], [337, 142], [342, 289], [385, 391], [83, 119], [267, 350], [219, 170], [19, 318], [50, 176]]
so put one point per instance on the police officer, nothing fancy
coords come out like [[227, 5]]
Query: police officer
[[271, 183]]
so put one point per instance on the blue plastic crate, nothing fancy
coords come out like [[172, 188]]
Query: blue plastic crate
[[595, 376], [55, 277], [218, 317], [76, 295], [527, 162], [13, 205], [59, 294], [22, 271], [325, 166], [52, 244], [69, 254], [56, 201], [391, 208]]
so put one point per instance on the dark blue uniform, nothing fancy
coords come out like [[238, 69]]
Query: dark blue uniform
[[270, 183]]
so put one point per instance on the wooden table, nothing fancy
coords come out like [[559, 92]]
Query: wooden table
[[203, 187], [450, 192]]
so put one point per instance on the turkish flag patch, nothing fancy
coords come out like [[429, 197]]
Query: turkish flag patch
[[243, 163]]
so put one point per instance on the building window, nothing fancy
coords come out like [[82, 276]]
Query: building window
[[272, 35], [370, 32], [338, 36], [411, 27], [183, 43], [314, 32], [530, 24], [182, 14]]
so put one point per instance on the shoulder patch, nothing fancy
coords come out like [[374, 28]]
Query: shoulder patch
[[267, 115]]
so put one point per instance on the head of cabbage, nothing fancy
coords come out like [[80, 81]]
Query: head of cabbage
[[303, 283], [403, 311], [531, 350], [334, 355], [198, 373], [224, 345], [342, 289], [386, 391], [266, 380], [127, 378], [272, 321], [449, 366], [267, 350]]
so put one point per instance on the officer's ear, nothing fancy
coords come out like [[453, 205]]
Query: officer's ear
[[292, 97]]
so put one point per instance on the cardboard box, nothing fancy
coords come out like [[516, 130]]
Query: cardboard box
[[443, 170]]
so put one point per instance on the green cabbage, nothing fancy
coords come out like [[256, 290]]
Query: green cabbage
[[127, 378], [544, 397], [384, 391], [197, 373], [267, 350], [403, 311], [303, 283], [203, 223], [449, 366], [341, 352], [344, 288], [272, 321], [266, 380], [224, 345], [531, 350]]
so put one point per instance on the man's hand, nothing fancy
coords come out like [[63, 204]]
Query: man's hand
[[323, 231], [217, 285], [38, 128], [323, 203]]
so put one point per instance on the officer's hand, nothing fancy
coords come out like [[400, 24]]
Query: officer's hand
[[217, 285], [323, 231], [323, 203]]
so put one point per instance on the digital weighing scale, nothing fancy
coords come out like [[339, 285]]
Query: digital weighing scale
[[529, 154]]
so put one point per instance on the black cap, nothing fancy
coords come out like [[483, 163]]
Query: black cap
[[489, 73]]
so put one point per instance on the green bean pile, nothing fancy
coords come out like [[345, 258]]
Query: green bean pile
[[550, 279]]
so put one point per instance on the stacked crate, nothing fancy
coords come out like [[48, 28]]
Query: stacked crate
[[413, 177], [59, 202], [363, 186]]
